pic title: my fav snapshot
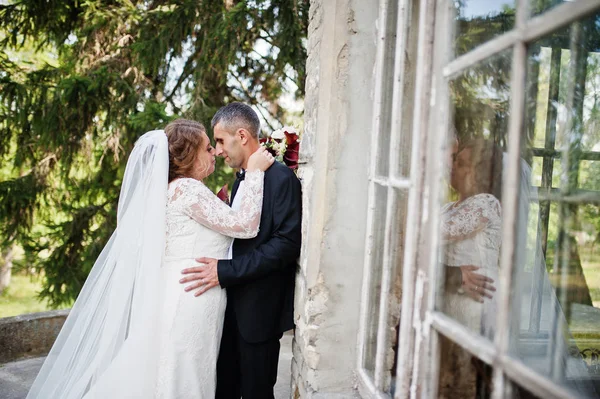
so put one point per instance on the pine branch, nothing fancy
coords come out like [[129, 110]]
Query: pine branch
[[101, 92]]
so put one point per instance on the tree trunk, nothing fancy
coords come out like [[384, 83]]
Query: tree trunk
[[5, 269]]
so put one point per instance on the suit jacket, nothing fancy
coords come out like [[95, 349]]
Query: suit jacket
[[260, 278]]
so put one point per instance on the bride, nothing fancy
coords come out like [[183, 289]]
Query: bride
[[471, 230], [133, 331]]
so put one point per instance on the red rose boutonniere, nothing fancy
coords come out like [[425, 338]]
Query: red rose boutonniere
[[223, 194]]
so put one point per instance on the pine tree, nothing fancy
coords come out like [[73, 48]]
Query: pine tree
[[118, 69]]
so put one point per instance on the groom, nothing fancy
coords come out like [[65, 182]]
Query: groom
[[260, 276]]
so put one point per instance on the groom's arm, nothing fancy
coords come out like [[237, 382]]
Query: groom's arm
[[283, 246]]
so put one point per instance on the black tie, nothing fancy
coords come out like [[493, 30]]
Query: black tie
[[241, 175]]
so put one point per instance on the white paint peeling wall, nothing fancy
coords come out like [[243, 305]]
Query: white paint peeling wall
[[335, 149]]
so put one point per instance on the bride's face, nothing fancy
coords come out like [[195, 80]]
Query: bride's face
[[204, 164]]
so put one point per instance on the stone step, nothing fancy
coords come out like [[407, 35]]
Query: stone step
[[16, 377]]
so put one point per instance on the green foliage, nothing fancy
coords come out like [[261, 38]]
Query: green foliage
[[81, 81], [21, 296], [481, 94]]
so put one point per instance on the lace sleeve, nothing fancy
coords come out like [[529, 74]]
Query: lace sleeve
[[464, 220], [194, 199]]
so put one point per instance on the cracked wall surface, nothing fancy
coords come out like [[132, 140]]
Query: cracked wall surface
[[334, 170]]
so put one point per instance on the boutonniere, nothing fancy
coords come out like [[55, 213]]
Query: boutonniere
[[223, 194]]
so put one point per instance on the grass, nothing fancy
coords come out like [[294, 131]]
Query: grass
[[21, 296], [590, 262]]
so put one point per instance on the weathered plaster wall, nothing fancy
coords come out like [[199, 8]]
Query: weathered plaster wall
[[335, 155]]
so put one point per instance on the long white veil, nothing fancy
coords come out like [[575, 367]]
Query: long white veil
[[541, 337], [109, 341]]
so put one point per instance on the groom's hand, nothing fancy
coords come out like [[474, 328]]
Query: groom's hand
[[203, 277], [475, 285]]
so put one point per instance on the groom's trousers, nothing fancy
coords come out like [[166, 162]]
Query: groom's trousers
[[247, 370]]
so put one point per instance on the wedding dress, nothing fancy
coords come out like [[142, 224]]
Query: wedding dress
[[471, 233], [134, 332], [198, 225]]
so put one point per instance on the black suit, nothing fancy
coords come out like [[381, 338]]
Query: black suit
[[260, 291]]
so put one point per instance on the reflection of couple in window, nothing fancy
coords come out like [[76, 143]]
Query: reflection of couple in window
[[471, 234], [471, 238]]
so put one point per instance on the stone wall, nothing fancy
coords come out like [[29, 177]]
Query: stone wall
[[334, 171], [29, 334]]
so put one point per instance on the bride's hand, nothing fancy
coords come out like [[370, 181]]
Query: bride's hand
[[260, 160], [476, 285]]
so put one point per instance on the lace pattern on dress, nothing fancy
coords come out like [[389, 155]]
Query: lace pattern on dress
[[192, 198], [466, 219], [472, 231]]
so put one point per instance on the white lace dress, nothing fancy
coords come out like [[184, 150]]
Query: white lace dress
[[471, 230], [198, 225]]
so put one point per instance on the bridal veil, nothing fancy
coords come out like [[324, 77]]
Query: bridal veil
[[108, 341], [540, 335]]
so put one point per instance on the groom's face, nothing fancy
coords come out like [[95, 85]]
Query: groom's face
[[228, 145]]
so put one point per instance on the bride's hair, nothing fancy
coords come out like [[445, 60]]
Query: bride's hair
[[184, 137], [486, 162]]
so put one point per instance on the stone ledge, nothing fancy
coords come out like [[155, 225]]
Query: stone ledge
[[29, 335], [16, 377]]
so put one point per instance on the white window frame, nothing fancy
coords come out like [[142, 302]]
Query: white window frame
[[506, 368], [368, 386], [417, 373]]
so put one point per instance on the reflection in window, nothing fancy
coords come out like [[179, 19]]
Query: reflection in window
[[478, 21], [556, 312], [471, 237], [471, 377], [374, 299], [471, 219], [540, 6], [480, 100]]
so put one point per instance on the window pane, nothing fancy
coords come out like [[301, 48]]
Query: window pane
[[461, 374], [383, 135], [397, 255], [555, 324], [378, 223], [540, 6], [478, 21], [522, 393], [405, 108], [589, 175], [471, 218], [394, 294]]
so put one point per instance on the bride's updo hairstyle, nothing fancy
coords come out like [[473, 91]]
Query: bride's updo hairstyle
[[184, 137]]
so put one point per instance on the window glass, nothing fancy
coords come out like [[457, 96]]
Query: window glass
[[478, 21], [555, 319]]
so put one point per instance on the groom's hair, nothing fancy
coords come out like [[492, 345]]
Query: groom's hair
[[237, 115]]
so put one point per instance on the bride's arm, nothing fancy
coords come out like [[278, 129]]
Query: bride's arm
[[194, 199]]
